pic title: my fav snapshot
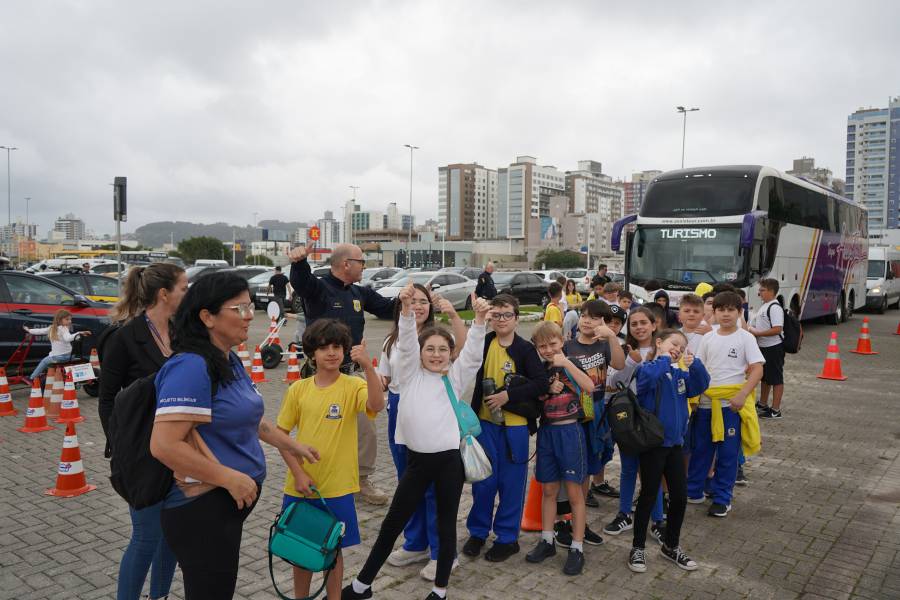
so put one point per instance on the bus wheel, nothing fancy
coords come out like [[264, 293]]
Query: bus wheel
[[848, 310], [837, 317]]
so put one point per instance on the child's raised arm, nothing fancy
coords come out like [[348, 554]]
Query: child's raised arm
[[466, 366], [407, 346], [651, 372]]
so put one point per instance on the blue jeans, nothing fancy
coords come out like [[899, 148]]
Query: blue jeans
[[46, 361], [146, 548]]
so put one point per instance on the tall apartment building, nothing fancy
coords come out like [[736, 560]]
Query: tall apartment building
[[70, 226], [591, 192], [806, 167], [524, 189], [467, 201], [392, 218], [873, 150], [636, 189], [330, 231]]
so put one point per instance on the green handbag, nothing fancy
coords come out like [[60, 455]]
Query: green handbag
[[308, 537], [586, 399]]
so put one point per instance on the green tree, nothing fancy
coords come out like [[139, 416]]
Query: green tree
[[196, 248], [558, 259], [259, 259]]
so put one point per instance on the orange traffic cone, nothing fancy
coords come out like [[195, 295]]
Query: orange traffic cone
[[70, 480], [6, 406], [95, 360], [257, 373], [375, 362], [56, 397], [832, 367], [68, 411], [48, 388], [864, 343], [531, 516], [898, 329], [35, 417], [293, 372], [245, 357]]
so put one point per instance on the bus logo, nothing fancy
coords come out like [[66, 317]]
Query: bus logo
[[693, 233]]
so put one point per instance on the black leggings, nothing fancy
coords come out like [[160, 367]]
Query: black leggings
[[445, 470], [653, 465], [205, 535]]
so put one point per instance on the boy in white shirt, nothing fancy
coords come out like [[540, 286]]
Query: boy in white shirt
[[766, 325]]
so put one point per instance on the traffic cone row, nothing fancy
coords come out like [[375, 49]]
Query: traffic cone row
[[832, 367], [35, 417], [864, 343], [257, 373], [70, 479], [245, 357], [293, 370], [6, 406], [69, 412]]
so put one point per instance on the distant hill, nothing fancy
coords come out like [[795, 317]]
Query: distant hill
[[156, 234]]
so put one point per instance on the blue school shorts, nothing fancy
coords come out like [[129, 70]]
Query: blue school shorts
[[343, 507], [561, 455]]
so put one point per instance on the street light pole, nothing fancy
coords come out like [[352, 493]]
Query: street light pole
[[409, 238], [8, 185], [684, 111]]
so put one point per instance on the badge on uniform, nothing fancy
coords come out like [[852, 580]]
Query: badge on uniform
[[682, 388], [731, 432], [334, 412], [357, 306]]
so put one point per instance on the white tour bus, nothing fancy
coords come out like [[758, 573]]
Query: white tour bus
[[739, 224]]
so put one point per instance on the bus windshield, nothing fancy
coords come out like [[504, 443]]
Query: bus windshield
[[699, 197], [682, 257]]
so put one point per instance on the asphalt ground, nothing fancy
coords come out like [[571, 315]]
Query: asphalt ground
[[820, 518]]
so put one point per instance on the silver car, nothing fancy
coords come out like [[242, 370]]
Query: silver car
[[455, 288]]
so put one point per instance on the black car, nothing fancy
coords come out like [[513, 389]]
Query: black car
[[528, 288], [200, 270], [30, 300]]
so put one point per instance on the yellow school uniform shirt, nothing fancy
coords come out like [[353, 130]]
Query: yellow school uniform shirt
[[497, 364], [574, 300], [325, 418], [553, 314]]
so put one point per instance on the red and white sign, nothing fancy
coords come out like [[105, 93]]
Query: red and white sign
[[314, 234]]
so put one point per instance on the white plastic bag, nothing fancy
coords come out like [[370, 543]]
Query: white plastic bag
[[475, 462]]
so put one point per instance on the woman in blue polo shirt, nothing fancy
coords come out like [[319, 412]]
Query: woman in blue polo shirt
[[209, 422]]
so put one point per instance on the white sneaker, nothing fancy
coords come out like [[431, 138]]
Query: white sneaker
[[402, 557], [429, 571]]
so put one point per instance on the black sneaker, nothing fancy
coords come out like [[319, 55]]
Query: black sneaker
[[621, 523], [761, 408], [589, 500], [591, 538], [679, 558], [574, 562], [765, 413], [473, 546], [541, 552], [604, 489], [741, 478], [718, 510], [562, 531], [500, 552], [349, 594], [774, 414], [637, 562], [433, 596], [658, 531]]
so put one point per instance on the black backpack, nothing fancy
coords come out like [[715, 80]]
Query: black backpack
[[134, 473], [791, 332], [633, 428]]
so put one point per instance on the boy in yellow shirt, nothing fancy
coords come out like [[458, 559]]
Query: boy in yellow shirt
[[553, 312], [324, 408]]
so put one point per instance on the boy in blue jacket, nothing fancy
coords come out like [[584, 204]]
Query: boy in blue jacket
[[663, 388]]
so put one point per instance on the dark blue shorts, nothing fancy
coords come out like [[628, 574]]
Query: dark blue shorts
[[343, 507], [560, 454]]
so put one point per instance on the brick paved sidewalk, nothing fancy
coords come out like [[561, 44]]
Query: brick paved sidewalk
[[820, 518]]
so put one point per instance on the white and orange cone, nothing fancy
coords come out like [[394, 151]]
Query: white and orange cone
[[864, 343], [832, 367], [257, 373], [56, 397], [70, 479], [68, 411], [245, 357], [95, 360], [6, 406], [48, 388], [35, 417], [293, 370]]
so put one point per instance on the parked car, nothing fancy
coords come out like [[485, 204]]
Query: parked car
[[259, 288], [377, 285], [455, 288], [374, 274], [30, 300], [581, 279], [470, 272], [199, 270], [248, 272], [528, 288], [549, 276], [96, 287]]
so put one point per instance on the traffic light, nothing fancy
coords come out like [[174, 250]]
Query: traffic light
[[120, 199]]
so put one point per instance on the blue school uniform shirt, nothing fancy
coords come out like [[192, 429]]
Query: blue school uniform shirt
[[227, 428], [676, 386]]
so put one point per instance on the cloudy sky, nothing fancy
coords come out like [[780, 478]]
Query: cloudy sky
[[215, 110]]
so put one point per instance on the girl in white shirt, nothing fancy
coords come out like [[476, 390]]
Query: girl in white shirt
[[427, 426], [60, 341]]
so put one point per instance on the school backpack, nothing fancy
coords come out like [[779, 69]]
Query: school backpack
[[135, 474], [791, 331], [633, 428]]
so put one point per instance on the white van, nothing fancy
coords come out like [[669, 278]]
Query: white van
[[211, 262], [883, 278]]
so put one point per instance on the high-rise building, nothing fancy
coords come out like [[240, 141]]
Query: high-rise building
[[873, 151], [329, 231], [805, 167], [392, 218], [467, 201], [636, 189], [591, 192], [524, 189], [70, 226]]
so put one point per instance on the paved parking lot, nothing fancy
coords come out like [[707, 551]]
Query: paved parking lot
[[820, 518]]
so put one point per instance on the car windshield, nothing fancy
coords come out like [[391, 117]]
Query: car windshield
[[502, 277], [682, 257], [261, 278], [876, 269], [192, 272], [367, 273], [422, 278]]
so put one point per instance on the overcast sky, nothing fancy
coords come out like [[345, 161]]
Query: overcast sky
[[215, 110]]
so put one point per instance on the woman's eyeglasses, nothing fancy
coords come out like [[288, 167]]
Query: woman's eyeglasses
[[245, 309]]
